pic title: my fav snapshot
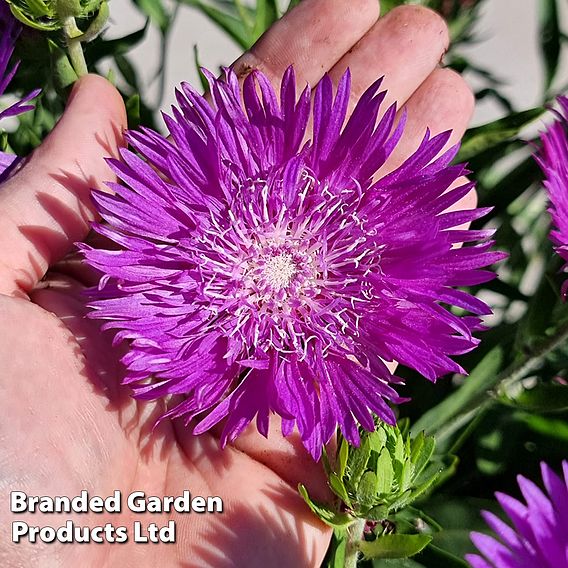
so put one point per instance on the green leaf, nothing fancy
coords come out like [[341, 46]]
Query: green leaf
[[335, 557], [133, 111], [156, 11], [343, 455], [481, 379], [99, 48], [399, 453], [510, 187], [385, 472], [538, 317], [36, 9], [485, 137], [551, 427], [388, 5], [396, 563], [338, 487], [266, 15], [394, 545], [542, 398], [62, 71], [128, 71], [357, 463], [422, 449], [378, 439], [549, 39], [198, 66], [434, 556], [367, 489], [326, 514]]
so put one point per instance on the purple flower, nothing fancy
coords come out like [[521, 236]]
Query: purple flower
[[9, 32], [553, 159], [258, 273], [538, 538]]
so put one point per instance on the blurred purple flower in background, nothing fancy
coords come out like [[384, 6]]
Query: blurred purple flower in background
[[553, 159], [538, 537], [259, 273], [9, 31]]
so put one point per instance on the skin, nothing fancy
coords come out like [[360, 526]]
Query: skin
[[66, 424]]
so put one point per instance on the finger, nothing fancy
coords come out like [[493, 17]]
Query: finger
[[442, 102], [312, 37], [286, 456], [46, 206], [405, 47]]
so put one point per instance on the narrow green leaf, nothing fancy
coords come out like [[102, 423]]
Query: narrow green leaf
[[367, 489], [406, 476], [99, 49], [481, 378], [435, 556], [61, 69], [385, 473], [551, 427], [378, 439], [156, 11], [549, 39], [198, 66], [266, 15], [421, 453], [38, 8], [133, 111], [397, 563], [338, 488], [44, 26], [394, 545], [357, 463], [378, 513], [542, 398], [325, 513], [337, 550], [343, 455], [484, 137], [127, 71]]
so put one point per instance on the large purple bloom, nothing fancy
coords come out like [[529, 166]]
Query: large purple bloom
[[9, 31], [539, 535], [553, 159], [258, 273]]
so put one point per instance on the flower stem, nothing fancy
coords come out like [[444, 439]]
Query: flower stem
[[354, 536], [521, 370], [74, 48]]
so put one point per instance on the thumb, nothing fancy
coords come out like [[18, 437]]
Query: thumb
[[46, 206]]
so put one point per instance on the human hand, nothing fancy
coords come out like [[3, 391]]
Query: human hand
[[65, 422]]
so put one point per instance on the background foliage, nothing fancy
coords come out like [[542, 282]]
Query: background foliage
[[512, 410]]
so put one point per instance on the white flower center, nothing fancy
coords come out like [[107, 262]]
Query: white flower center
[[279, 270]]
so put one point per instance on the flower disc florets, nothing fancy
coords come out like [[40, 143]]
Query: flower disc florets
[[263, 269]]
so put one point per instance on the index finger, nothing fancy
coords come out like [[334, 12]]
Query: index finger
[[313, 37]]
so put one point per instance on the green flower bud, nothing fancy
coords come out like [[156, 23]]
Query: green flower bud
[[50, 15]]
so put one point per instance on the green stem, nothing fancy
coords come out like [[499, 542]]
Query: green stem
[[74, 48], [520, 371], [355, 534]]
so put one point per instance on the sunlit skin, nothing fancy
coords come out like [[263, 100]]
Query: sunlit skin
[[66, 424]]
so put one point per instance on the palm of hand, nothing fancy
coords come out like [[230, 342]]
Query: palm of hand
[[67, 425], [76, 429]]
